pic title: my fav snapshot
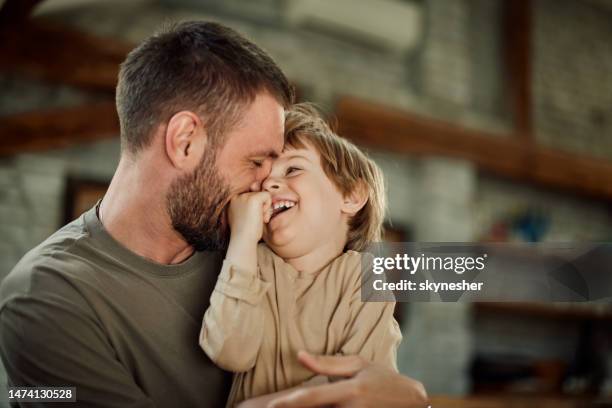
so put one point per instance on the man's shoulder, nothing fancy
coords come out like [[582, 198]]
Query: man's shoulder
[[50, 263]]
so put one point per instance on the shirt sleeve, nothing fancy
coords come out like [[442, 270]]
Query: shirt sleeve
[[233, 325], [371, 331], [49, 340]]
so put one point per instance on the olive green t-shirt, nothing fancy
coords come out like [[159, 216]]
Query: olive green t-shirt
[[82, 310]]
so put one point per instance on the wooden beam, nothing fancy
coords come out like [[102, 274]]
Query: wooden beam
[[390, 129], [42, 130], [15, 12], [517, 56], [59, 54], [560, 311], [509, 400]]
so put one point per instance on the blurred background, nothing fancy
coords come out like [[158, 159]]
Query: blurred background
[[492, 120]]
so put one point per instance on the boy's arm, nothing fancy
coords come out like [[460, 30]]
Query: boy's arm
[[232, 328], [233, 325], [372, 332]]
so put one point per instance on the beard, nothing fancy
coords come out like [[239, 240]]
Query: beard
[[196, 204]]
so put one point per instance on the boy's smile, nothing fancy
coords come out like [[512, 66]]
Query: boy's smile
[[280, 205]]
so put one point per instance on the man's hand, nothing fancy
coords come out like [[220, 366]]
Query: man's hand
[[247, 214], [366, 385]]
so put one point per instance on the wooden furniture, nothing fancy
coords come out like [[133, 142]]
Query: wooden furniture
[[510, 402]]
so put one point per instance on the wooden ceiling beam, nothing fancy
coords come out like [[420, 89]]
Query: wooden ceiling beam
[[517, 39], [59, 54], [393, 130], [57, 128], [15, 12]]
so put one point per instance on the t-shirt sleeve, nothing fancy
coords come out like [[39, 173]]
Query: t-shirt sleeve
[[50, 340]]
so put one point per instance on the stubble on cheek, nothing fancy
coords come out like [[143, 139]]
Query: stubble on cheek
[[197, 205]]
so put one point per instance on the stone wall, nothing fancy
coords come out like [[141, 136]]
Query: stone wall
[[572, 53]]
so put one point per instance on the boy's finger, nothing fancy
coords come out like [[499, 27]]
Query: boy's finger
[[268, 200], [267, 208], [267, 214], [260, 198], [341, 366]]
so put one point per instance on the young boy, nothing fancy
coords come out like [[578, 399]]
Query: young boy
[[323, 201]]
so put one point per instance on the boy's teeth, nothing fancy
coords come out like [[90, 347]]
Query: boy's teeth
[[283, 204]]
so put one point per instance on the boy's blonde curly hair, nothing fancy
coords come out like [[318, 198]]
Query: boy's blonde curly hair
[[346, 166]]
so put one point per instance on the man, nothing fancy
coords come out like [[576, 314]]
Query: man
[[112, 303]]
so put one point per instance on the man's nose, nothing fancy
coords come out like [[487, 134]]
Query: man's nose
[[262, 174], [255, 186]]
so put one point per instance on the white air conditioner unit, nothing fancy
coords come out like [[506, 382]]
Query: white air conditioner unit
[[392, 24]]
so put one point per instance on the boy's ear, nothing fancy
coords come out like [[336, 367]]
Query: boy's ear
[[355, 200], [185, 140]]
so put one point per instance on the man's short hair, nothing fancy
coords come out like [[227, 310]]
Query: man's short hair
[[346, 166], [203, 67]]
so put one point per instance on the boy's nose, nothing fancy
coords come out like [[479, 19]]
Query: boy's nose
[[271, 184]]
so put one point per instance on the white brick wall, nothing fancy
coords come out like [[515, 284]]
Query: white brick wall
[[31, 197], [571, 218], [438, 337], [447, 67], [573, 76]]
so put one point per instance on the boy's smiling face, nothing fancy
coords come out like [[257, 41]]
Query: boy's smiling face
[[308, 207]]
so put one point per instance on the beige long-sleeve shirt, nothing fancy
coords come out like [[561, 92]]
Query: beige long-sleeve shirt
[[257, 321]]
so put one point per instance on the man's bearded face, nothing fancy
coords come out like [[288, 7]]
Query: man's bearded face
[[196, 204]]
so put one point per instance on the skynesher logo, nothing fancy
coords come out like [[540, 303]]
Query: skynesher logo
[[412, 264]]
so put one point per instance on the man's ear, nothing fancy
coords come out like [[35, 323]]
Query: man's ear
[[355, 200], [185, 140]]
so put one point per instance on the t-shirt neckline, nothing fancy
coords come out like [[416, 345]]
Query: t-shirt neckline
[[98, 233]]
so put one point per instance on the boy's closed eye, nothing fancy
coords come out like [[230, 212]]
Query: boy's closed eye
[[292, 170]]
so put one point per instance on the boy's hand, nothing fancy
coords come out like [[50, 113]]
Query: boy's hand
[[247, 214]]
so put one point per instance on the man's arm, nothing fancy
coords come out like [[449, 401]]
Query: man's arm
[[51, 341], [366, 385], [264, 401]]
